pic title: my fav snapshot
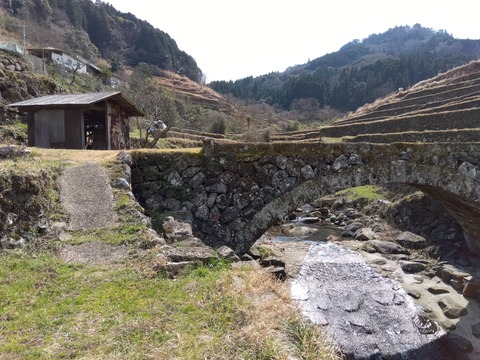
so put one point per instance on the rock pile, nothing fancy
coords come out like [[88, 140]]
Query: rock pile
[[12, 151], [179, 249]]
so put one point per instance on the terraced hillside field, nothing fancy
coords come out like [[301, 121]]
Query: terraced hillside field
[[445, 108]]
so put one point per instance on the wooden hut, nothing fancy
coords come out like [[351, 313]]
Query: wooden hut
[[86, 121]]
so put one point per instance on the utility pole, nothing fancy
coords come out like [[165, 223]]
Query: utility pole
[[24, 37]]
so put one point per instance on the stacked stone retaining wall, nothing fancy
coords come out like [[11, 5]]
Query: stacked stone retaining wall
[[233, 193]]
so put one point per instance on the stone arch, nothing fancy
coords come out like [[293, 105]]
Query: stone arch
[[448, 188], [235, 192]]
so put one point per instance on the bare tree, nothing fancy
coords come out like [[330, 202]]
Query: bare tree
[[73, 67], [156, 102]]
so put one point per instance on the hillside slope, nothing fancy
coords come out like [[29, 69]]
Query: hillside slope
[[445, 108], [95, 31], [195, 92]]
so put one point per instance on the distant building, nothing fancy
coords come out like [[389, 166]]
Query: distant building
[[12, 47], [60, 57], [87, 121]]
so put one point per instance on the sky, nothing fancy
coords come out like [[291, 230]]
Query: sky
[[234, 39]]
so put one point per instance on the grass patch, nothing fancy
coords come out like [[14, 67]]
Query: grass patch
[[369, 192], [74, 157], [15, 133], [192, 150], [50, 309], [122, 234], [310, 342], [262, 251], [31, 164]]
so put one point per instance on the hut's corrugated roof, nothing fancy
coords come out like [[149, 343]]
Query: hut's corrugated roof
[[77, 100]]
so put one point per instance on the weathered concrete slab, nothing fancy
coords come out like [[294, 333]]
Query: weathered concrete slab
[[366, 315], [87, 196]]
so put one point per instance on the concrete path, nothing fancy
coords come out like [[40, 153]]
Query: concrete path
[[86, 194], [366, 315]]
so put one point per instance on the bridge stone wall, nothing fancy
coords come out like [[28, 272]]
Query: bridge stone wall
[[232, 193]]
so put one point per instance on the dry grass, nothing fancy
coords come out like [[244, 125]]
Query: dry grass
[[271, 323], [183, 86], [41, 159], [193, 150], [440, 80], [75, 156], [448, 76]]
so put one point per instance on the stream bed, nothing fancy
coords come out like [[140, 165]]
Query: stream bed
[[368, 316]]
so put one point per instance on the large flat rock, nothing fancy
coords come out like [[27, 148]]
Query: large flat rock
[[366, 315]]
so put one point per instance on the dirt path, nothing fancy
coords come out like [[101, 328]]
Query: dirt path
[[86, 194]]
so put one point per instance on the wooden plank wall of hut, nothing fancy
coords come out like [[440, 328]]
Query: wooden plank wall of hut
[[119, 130]]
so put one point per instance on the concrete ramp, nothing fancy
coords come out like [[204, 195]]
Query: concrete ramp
[[86, 195]]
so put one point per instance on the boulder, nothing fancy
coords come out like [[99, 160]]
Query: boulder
[[364, 234], [352, 213], [291, 230], [309, 220], [174, 268], [448, 272], [412, 267], [175, 230], [11, 151], [121, 183], [471, 288], [410, 240], [451, 308], [338, 204], [227, 253], [448, 324], [153, 237], [255, 252], [386, 247], [202, 254], [327, 200], [279, 273], [124, 158], [353, 227], [476, 330], [458, 285], [272, 261]]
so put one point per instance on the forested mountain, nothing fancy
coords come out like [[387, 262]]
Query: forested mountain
[[93, 29], [361, 71]]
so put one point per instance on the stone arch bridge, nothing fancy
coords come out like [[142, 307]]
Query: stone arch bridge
[[232, 193]]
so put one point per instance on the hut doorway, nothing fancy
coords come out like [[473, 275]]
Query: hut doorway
[[95, 130]]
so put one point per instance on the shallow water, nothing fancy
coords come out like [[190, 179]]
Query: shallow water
[[324, 230]]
